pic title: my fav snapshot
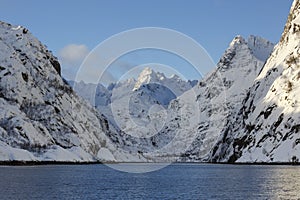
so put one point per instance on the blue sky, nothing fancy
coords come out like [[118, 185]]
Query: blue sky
[[84, 24]]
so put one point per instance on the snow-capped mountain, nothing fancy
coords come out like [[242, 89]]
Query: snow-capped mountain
[[246, 110], [202, 113], [173, 83], [266, 128], [165, 118], [148, 81], [136, 104], [163, 127], [41, 118]]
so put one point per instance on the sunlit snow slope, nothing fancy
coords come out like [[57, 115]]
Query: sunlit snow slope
[[41, 118], [267, 126]]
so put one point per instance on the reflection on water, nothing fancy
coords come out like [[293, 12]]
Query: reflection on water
[[177, 181], [283, 183]]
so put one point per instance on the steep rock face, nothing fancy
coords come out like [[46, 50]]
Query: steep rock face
[[189, 127], [266, 129], [220, 93], [41, 118]]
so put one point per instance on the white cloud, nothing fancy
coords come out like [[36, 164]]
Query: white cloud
[[93, 69], [70, 58], [73, 54]]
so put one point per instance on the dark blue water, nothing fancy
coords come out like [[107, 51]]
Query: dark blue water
[[178, 181]]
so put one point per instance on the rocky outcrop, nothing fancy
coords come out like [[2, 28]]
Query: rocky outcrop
[[266, 128]]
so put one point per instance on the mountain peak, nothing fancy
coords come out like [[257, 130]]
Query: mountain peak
[[255, 46], [148, 75], [146, 72], [237, 40], [36, 106]]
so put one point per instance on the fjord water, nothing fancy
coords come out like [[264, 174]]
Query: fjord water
[[177, 181]]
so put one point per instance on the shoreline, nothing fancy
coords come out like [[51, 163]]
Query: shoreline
[[38, 163]]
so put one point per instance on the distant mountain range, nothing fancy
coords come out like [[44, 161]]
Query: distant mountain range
[[245, 110], [133, 104]]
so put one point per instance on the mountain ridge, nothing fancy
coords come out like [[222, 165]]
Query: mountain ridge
[[244, 111], [41, 117], [265, 129]]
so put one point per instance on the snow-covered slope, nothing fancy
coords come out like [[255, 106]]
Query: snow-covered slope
[[267, 127], [95, 94], [41, 118], [218, 95], [240, 112], [186, 128], [138, 104]]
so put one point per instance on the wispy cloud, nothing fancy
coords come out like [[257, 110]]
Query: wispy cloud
[[73, 54], [78, 63], [70, 58]]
